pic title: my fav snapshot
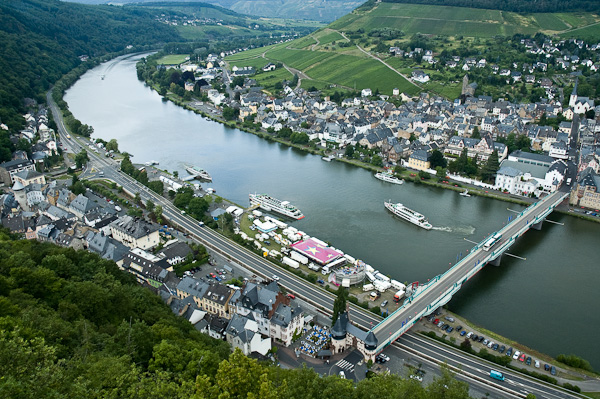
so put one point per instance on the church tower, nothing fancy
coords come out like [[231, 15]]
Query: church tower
[[573, 98]]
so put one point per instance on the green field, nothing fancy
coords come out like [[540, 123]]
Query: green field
[[173, 59], [299, 59], [452, 21], [328, 36], [306, 41]]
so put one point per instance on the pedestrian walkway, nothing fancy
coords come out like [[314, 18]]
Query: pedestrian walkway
[[345, 365]]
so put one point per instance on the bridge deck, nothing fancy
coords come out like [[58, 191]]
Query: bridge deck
[[439, 290]]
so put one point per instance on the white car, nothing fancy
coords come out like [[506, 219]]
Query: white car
[[384, 357], [516, 355], [416, 377], [275, 277], [490, 344], [469, 334], [537, 364], [342, 375]]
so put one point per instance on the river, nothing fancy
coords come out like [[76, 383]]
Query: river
[[546, 302]]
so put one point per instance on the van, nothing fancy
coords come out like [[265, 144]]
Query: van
[[496, 375]]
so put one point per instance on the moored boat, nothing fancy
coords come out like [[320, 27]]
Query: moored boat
[[388, 177], [269, 203], [465, 193], [198, 172]]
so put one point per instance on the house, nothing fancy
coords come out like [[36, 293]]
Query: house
[[242, 332], [269, 67], [106, 247], [586, 192], [366, 93], [216, 300], [135, 232], [192, 287], [27, 177], [11, 168], [146, 267], [420, 76], [419, 160]]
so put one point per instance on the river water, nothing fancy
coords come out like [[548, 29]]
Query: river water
[[546, 302]]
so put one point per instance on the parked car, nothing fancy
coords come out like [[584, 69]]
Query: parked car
[[495, 347], [441, 323], [553, 370], [469, 334], [416, 377], [342, 375], [321, 282], [536, 364], [450, 319], [449, 329], [481, 338], [291, 296], [546, 367], [502, 348], [436, 321], [475, 337], [516, 355], [485, 342], [509, 351], [522, 357], [462, 333], [490, 344], [384, 303], [528, 361], [458, 328]]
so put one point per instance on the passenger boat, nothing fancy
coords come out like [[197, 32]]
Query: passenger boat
[[198, 172], [269, 203], [408, 214], [388, 177], [465, 193]]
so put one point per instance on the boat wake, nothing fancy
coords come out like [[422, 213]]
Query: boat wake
[[463, 230]]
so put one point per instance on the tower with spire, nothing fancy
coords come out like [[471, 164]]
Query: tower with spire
[[573, 97]]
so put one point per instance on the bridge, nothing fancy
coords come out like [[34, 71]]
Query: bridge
[[439, 290]]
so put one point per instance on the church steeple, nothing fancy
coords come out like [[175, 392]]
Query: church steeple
[[573, 98]]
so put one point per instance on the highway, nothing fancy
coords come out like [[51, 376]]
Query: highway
[[471, 366]]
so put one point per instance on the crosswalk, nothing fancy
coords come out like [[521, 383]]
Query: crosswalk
[[345, 365]]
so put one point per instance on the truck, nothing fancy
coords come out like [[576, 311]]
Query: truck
[[290, 262], [496, 375], [368, 287], [398, 296], [299, 257]]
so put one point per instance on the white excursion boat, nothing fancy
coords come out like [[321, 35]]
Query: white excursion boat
[[329, 158], [388, 177], [465, 193], [269, 203], [408, 214], [198, 172]]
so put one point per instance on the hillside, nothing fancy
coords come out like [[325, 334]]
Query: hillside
[[353, 52], [203, 21], [40, 40], [75, 326], [315, 10], [514, 5]]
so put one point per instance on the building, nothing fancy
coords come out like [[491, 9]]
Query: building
[[529, 179], [419, 160], [586, 192], [135, 232], [345, 335], [478, 149], [27, 177], [189, 286], [9, 169], [242, 332], [216, 300]]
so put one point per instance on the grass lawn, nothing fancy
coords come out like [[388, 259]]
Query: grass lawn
[[173, 59]]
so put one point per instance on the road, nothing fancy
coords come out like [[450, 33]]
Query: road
[[322, 299]]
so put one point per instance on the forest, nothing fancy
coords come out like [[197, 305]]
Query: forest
[[40, 40], [523, 6], [75, 326]]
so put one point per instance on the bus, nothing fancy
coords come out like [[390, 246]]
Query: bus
[[490, 243], [497, 375]]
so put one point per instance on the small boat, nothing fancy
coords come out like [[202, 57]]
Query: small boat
[[198, 172], [102, 77], [329, 158], [465, 193], [388, 177]]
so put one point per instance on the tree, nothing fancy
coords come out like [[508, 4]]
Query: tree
[[339, 305], [437, 159], [491, 167], [230, 113], [112, 145], [81, 158], [138, 198], [475, 134], [150, 206], [349, 151], [158, 211], [377, 160], [135, 212]]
